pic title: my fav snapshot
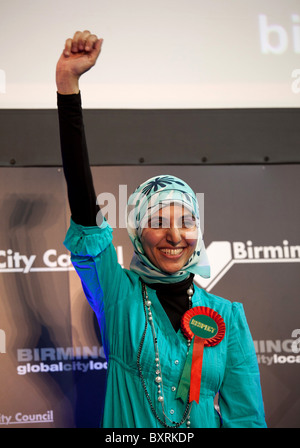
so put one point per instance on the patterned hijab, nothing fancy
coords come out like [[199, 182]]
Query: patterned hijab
[[148, 198]]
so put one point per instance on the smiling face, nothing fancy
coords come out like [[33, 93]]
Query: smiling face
[[170, 238]]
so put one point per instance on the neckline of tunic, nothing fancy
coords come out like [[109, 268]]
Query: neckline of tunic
[[173, 298]]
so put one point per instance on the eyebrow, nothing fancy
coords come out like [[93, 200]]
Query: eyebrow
[[181, 218], [184, 215]]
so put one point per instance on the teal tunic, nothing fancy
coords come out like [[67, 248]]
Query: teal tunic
[[229, 368]]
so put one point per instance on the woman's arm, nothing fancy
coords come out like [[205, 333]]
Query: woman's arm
[[81, 193], [240, 396], [89, 239], [79, 55]]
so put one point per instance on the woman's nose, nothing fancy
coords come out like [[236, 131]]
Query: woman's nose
[[173, 236]]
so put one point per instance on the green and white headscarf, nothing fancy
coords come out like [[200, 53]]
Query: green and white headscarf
[[155, 193]]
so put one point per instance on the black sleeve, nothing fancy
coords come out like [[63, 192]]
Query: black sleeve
[[81, 193]]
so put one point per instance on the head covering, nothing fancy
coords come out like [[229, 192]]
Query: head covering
[[157, 192]]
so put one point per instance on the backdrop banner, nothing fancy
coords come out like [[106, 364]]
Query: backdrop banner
[[52, 365]]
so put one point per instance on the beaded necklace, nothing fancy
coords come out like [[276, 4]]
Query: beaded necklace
[[158, 372]]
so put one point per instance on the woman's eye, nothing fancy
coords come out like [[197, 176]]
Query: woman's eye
[[156, 223], [187, 222], [160, 222]]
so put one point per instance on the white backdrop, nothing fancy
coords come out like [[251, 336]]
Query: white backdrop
[[158, 54]]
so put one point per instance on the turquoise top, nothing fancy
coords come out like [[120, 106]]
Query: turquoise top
[[229, 368]]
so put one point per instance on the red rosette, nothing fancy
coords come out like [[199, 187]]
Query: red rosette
[[206, 328], [203, 311]]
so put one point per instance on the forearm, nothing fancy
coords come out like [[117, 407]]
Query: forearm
[[81, 193]]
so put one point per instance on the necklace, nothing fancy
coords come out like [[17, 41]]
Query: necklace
[[158, 372]]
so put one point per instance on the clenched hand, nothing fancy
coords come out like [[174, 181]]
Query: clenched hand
[[79, 55]]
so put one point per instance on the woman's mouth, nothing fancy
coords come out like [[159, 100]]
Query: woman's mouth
[[172, 252]]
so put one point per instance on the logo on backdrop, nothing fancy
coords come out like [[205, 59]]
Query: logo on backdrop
[[51, 261], [11, 261], [224, 254], [60, 359], [24, 419], [285, 351]]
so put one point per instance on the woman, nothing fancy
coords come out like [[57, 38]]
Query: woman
[[159, 375]]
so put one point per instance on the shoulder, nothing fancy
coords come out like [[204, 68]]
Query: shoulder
[[227, 308], [237, 330]]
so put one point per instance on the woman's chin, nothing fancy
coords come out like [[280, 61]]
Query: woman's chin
[[171, 268]]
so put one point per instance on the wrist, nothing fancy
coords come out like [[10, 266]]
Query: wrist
[[67, 83]]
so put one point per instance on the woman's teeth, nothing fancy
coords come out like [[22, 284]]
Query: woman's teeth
[[172, 251]]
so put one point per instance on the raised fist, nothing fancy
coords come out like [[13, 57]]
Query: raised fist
[[79, 55]]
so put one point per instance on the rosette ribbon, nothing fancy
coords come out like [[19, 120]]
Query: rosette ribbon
[[205, 328]]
